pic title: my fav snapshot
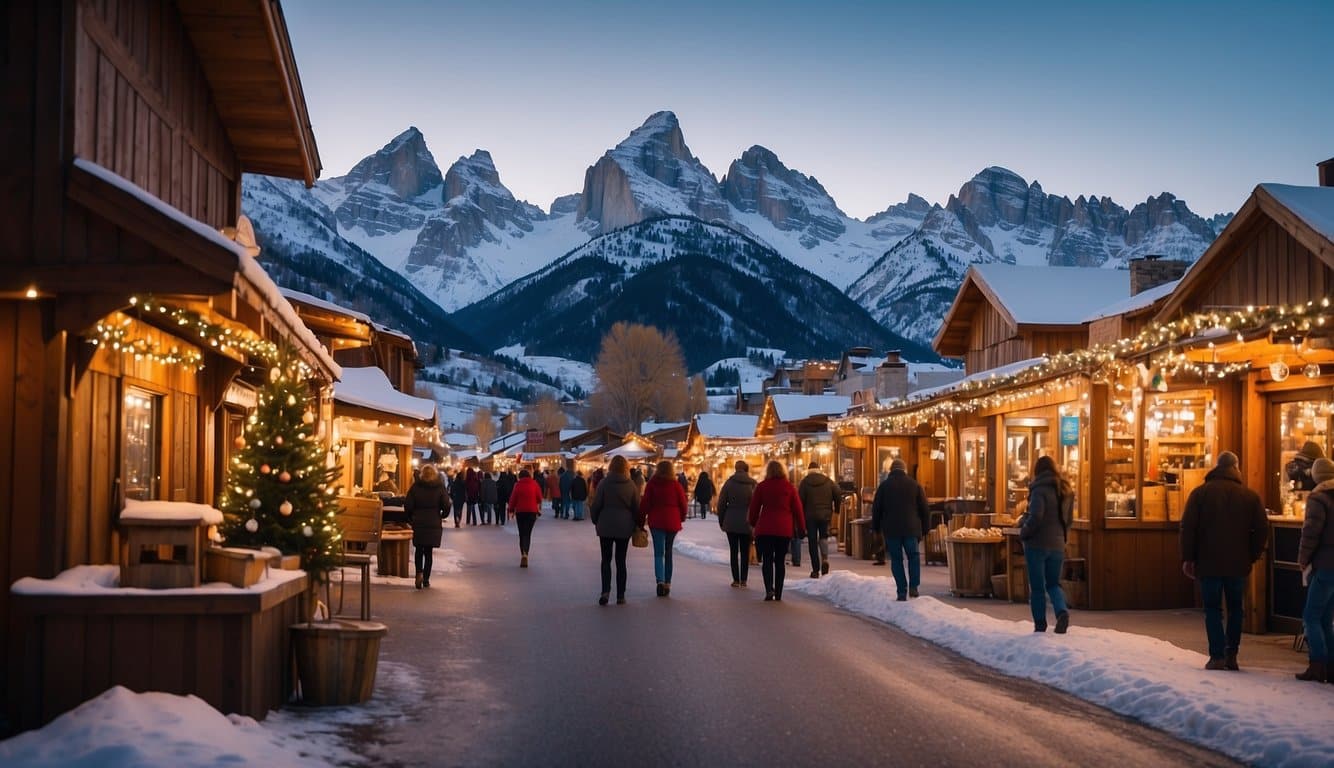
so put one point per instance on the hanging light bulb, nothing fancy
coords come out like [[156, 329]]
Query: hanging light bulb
[[1278, 370]]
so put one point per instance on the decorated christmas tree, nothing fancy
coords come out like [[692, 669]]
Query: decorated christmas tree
[[279, 490]]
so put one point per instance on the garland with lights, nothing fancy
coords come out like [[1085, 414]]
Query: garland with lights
[[1165, 345], [280, 488]]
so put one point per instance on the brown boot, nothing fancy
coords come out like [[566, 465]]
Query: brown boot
[[1230, 662], [1215, 664], [419, 579], [1316, 670]]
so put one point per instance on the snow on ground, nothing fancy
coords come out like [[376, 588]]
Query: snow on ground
[[443, 561], [1260, 717]]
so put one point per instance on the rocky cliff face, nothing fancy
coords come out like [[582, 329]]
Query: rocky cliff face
[[651, 173], [758, 182]]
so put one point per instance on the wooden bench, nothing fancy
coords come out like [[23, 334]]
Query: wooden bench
[[360, 521]]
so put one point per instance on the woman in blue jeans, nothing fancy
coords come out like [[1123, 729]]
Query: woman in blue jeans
[[665, 508], [1043, 531], [1316, 551]]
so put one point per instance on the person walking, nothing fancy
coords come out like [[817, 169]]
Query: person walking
[[684, 481], [504, 487], [566, 483], [704, 494], [665, 507], [616, 514], [474, 490], [899, 511], [553, 492], [426, 506], [488, 497], [1316, 552], [1043, 531], [733, 510], [637, 477], [579, 492], [526, 506], [458, 493], [1223, 531], [594, 479], [819, 497], [776, 515]]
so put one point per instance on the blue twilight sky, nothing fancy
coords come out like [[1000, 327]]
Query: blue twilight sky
[[875, 99]]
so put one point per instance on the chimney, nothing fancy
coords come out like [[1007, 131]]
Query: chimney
[[1326, 172], [891, 378], [1152, 271]]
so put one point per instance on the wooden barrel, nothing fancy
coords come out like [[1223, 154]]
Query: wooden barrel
[[971, 563], [336, 660]]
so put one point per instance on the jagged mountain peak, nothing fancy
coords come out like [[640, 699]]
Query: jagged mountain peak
[[404, 165], [759, 183], [469, 172]]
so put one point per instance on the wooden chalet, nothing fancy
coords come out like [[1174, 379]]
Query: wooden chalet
[[798, 425], [132, 315], [377, 419]]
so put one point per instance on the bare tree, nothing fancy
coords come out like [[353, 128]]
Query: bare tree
[[545, 414], [699, 396], [482, 426], [640, 373]]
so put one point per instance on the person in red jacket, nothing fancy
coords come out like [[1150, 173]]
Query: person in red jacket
[[553, 491], [665, 506], [525, 505], [776, 516]]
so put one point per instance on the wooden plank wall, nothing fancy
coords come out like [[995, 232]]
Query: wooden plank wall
[[992, 341], [235, 661], [1272, 268], [143, 108]]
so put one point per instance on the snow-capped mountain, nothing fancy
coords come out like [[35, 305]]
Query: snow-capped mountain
[[718, 290], [461, 235], [998, 217]]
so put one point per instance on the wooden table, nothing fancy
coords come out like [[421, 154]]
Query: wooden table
[[393, 556]]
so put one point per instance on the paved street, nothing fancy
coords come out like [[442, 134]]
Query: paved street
[[523, 668]]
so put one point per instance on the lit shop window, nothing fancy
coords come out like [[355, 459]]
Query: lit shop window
[[974, 463], [143, 437]]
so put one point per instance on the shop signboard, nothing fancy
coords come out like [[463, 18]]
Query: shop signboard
[[535, 441], [1069, 430]]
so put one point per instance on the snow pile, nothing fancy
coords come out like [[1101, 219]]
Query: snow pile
[[104, 580], [442, 561], [123, 728], [1258, 717], [177, 511]]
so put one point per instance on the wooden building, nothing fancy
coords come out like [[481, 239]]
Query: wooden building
[[134, 321]]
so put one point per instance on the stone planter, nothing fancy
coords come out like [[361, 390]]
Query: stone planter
[[336, 660]]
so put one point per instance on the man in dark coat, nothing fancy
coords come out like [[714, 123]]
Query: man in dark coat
[[1223, 531], [504, 487], [819, 497], [900, 513], [566, 482]]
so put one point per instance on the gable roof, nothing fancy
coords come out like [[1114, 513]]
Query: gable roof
[[246, 54], [726, 425], [789, 408], [1305, 213], [1043, 296], [370, 388]]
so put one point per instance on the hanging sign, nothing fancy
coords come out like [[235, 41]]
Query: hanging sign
[[1069, 430], [535, 441]]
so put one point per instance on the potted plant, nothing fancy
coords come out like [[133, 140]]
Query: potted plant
[[280, 493]]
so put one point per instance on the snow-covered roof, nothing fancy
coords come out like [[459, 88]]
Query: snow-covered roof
[[859, 363], [1142, 300], [567, 434], [649, 427], [178, 511], [370, 388], [631, 450], [458, 438], [798, 407], [752, 386], [245, 263], [508, 441], [1313, 205], [328, 306], [726, 425], [990, 373], [1053, 295], [381, 328]]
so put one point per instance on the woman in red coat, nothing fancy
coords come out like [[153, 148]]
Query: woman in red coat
[[776, 516], [665, 507], [524, 506]]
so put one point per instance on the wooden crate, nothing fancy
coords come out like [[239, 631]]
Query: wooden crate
[[161, 554], [972, 562], [238, 567]]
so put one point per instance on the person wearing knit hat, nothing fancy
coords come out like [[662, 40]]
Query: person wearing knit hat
[[1315, 555], [1223, 532], [1298, 470]]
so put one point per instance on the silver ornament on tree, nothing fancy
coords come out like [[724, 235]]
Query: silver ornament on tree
[[307, 531], [252, 525], [256, 503]]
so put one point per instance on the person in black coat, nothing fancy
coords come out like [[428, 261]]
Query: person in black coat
[[489, 497], [704, 494], [578, 494], [900, 512], [458, 493], [426, 506], [504, 487]]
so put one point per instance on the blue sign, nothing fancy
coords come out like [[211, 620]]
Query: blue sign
[[1069, 430]]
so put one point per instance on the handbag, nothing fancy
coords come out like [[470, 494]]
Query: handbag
[[639, 538]]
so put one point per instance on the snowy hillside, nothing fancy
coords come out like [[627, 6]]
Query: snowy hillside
[[463, 382]]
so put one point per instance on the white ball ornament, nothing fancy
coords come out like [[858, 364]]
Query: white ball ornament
[[278, 440], [252, 525], [285, 508], [256, 503], [307, 531]]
